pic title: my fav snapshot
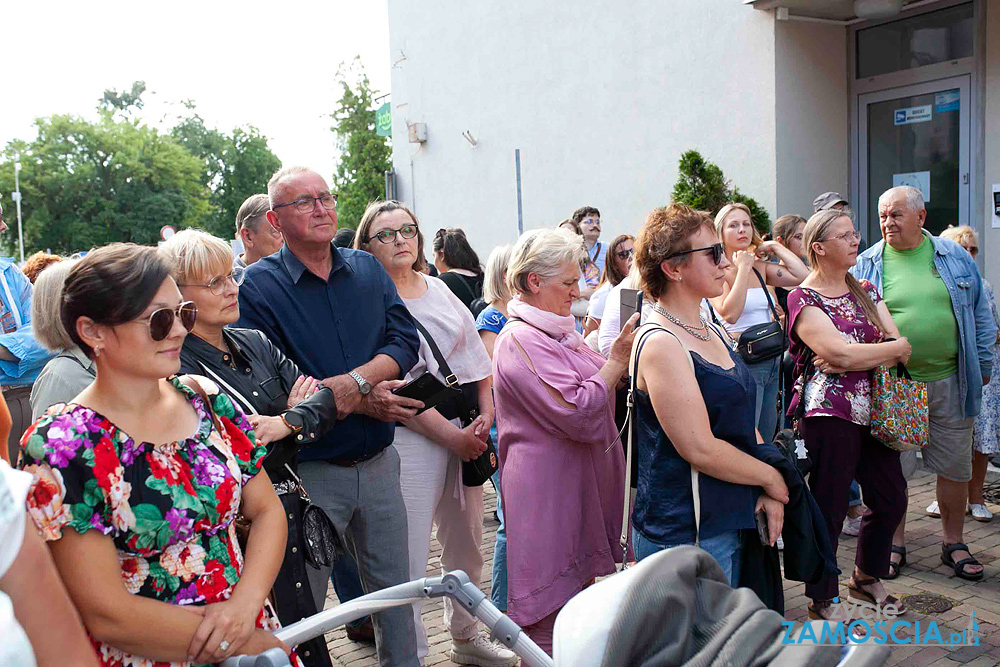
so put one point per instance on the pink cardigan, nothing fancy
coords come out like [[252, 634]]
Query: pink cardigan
[[561, 470]]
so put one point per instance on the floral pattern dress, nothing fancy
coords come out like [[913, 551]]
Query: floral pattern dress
[[169, 508], [846, 395], [986, 432]]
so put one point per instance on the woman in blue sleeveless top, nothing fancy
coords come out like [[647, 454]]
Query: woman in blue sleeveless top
[[695, 403]]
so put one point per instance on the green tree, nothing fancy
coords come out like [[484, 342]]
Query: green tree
[[233, 167], [364, 156], [702, 185], [88, 183]]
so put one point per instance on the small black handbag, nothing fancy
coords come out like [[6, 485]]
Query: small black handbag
[[322, 546], [762, 341], [464, 406]]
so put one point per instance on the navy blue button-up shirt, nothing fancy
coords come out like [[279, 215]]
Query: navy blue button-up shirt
[[330, 328]]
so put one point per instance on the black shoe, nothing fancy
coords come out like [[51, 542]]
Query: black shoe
[[364, 633]]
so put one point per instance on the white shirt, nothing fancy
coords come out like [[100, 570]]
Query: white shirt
[[611, 323], [15, 649], [597, 301]]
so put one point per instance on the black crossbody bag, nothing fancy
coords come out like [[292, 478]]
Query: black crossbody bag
[[762, 341], [465, 407]]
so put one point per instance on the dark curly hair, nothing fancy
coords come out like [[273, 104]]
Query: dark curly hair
[[667, 230]]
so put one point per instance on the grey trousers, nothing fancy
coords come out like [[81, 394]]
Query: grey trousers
[[366, 506]]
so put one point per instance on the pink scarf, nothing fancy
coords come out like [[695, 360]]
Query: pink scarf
[[562, 328]]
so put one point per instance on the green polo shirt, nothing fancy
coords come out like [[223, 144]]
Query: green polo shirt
[[920, 305]]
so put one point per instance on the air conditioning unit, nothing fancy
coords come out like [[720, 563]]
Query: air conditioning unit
[[877, 9]]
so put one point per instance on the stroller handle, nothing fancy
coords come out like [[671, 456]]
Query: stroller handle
[[455, 584]]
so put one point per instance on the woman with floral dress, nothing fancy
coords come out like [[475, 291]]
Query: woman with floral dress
[[136, 488], [847, 327]]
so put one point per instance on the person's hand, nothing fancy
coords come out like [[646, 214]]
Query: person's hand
[[481, 426], [743, 260], [231, 621], [386, 406], [621, 348], [775, 486], [261, 641], [268, 429], [468, 445], [905, 350], [767, 248], [303, 388], [827, 367], [345, 393], [775, 512]]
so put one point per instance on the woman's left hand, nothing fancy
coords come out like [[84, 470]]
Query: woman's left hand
[[826, 367], [775, 511], [268, 429], [230, 621]]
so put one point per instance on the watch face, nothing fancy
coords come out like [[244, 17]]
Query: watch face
[[294, 420], [365, 388]]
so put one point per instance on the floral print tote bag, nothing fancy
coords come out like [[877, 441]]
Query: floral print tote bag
[[899, 409]]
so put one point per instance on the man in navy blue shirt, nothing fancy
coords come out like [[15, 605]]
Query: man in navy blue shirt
[[335, 312]]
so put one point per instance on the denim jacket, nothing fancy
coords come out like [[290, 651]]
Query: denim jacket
[[15, 292], [976, 328]]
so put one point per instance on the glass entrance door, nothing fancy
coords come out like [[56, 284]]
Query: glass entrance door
[[916, 135]]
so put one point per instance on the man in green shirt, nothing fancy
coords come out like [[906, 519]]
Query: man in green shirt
[[934, 292]]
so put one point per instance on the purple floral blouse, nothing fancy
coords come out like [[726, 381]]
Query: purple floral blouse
[[845, 395]]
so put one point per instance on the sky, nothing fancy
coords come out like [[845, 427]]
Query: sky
[[271, 65]]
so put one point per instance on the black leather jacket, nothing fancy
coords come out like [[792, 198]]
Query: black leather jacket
[[257, 376]]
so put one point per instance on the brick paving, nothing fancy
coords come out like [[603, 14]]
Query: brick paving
[[923, 573]]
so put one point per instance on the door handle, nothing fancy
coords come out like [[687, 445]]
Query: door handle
[[965, 178]]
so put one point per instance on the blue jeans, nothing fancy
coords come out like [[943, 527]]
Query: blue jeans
[[498, 588], [724, 548], [766, 375], [855, 497]]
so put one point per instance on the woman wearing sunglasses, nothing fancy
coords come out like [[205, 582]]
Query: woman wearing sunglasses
[[745, 301], [283, 406], [685, 366], [136, 490]]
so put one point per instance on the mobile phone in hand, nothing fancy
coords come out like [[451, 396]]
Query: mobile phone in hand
[[760, 518], [631, 303]]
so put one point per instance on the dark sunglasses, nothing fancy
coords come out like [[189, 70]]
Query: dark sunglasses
[[162, 320], [716, 250], [625, 254]]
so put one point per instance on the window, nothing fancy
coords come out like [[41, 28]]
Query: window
[[935, 37]]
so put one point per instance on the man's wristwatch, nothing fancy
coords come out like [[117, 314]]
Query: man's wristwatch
[[364, 386], [292, 421]]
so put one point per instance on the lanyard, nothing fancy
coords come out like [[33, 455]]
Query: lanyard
[[10, 301]]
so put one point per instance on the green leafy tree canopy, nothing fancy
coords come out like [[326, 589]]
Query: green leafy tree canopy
[[364, 156], [702, 186]]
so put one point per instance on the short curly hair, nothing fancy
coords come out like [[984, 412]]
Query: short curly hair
[[667, 230], [37, 263]]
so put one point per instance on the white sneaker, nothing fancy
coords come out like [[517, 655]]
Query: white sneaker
[[932, 510], [482, 652], [852, 526], [980, 513]]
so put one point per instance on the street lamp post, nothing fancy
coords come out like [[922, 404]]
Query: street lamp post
[[17, 198]]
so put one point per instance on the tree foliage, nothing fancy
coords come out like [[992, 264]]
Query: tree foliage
[[364, 156], [86, 183], [701, 185]]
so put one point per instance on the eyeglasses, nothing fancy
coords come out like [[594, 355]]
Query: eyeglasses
[[625, 254], [307, 204], [218, 285], [389, 235], [162, 320], [716, 250], [846, 236], [591, 221]]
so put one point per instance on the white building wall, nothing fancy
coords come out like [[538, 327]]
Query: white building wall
[[601, 98], [812, 114]]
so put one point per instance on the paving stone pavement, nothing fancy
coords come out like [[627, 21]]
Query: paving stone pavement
[[924, 573]]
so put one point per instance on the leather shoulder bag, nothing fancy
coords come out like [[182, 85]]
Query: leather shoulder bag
[[762, 341]]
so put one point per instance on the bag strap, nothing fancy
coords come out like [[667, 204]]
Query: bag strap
[[194, 384], [633, 443], [767, 293], [248, 406], [449, 378]]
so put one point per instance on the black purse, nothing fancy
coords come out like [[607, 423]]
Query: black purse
[[322, 545], [465, 407], [762, 341]]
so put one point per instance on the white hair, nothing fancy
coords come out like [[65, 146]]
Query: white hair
[[283, 174], [495, 277], [914, 198], [46, 307], [544, 252]]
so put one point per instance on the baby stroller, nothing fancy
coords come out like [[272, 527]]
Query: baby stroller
[[673, 608]]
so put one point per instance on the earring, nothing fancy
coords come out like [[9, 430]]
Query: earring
[[97, 351]]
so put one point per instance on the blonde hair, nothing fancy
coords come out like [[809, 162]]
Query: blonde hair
[[495, 277], [195, 255], [720, 222], [815, 232], [46, 307], [545, 252], [961, 235]]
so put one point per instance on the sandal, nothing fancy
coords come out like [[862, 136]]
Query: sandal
[[857, 592], [896, 567], [946, 557], [816, 608]]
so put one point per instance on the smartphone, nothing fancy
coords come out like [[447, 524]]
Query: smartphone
[[760, 518], [631, 303], [427, 389]]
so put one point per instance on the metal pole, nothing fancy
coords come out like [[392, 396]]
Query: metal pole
[[520, 213], [17, 198]]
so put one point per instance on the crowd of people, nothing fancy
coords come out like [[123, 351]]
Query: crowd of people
[[185, 421]]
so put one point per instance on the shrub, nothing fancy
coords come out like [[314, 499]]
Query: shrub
[[702, 185]]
